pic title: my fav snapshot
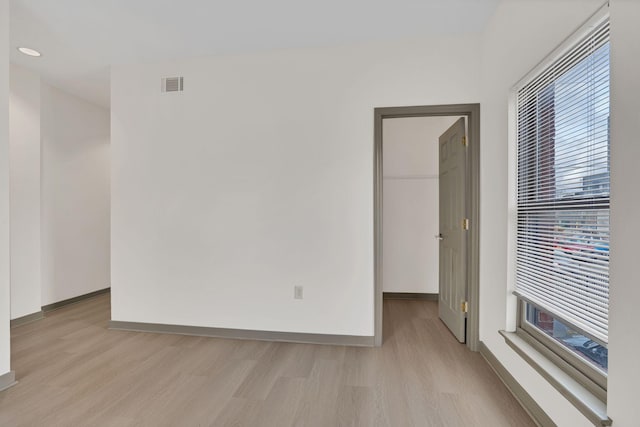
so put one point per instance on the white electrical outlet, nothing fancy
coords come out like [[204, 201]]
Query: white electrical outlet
[[297, 292]]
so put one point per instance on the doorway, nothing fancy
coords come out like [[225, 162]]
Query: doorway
[[469, 201]]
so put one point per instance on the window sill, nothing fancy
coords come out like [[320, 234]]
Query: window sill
[[586, 402]]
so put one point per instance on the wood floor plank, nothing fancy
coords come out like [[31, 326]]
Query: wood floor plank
[[356, 406], [74, 371]]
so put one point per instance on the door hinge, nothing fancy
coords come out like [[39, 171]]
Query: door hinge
[[464, 141], [464, 306], [465, 224]]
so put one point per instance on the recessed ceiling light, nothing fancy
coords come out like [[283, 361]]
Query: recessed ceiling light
[[29, 52]]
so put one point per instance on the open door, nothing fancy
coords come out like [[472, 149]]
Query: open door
[[452, 304]]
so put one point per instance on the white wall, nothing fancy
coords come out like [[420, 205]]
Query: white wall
[[624, 348], [75, 196], [5, 313], [410, 203], [24, 126], [59, 194], [513, 45], [259, 177]]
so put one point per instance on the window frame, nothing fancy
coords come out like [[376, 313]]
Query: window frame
[[579, 369], [587, 374]]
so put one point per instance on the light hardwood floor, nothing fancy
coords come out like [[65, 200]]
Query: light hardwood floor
[[73, 371]]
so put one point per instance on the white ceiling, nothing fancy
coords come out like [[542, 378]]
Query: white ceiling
[[80, 39]]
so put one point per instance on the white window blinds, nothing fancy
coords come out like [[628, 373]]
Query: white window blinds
[[562, 259]]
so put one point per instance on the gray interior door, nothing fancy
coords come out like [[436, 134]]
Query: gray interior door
[[452, 253]]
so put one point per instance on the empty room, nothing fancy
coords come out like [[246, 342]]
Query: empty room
[[355, 213]]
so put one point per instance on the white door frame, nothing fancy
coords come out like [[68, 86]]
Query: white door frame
[[472, 113]]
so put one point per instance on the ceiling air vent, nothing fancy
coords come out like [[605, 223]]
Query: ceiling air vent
[[172, 84]]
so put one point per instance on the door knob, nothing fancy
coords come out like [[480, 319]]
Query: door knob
[[439, 236]]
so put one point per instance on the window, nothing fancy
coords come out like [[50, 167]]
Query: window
[[562, 237]]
